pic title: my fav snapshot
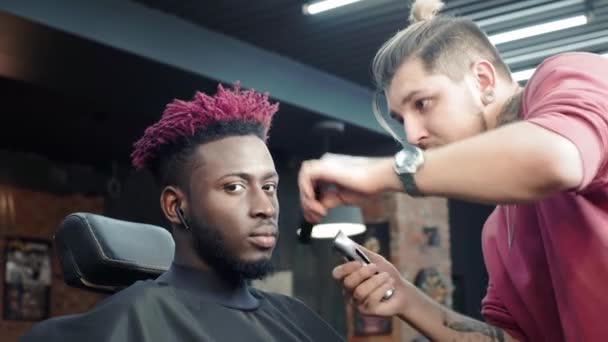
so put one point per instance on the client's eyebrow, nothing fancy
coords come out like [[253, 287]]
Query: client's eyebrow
[[248, 176]]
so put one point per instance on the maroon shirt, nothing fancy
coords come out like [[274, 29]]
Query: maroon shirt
[[551, 284]]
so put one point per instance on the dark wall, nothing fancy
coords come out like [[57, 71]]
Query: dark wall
[[81, 105], [137, 199], [468, 270]]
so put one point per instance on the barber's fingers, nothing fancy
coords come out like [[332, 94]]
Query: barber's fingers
[[307, 180], [341, 271], [313, 213], [381, 262], [376, 297], [328, 170], [311, 217], [319, 171], [351, 281], [348, 177], [312, 209], [331, 199], [373, 257], [366, 288], [316, 208]]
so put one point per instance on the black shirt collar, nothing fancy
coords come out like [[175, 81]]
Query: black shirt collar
[[210, 286]]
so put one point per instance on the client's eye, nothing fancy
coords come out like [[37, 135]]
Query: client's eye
[[234, 188], [270, 187]]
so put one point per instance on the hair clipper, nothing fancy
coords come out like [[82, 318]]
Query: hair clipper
[[348, 248]]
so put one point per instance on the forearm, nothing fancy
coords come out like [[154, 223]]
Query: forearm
[[517, 163], [438, 323]]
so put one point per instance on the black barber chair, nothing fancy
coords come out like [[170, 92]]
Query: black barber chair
[[105, 255]]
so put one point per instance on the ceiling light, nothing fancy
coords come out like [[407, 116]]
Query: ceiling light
[[585, 42], [515, 12], [524, 75], [326, 5], [536, 30]]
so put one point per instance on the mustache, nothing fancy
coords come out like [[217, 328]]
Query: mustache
[[262, 226]]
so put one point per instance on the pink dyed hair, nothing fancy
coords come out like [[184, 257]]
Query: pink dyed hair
[[185, 118]]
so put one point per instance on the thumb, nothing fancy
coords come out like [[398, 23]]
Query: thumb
[[373, 257], [331, 199], [342, 196]]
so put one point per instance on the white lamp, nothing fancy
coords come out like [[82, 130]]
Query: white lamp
[[347, 219]]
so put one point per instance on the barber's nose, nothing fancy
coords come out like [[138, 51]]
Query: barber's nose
[[414, 131]]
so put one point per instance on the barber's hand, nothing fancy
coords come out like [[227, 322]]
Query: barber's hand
[[353, 180], [366, 288]]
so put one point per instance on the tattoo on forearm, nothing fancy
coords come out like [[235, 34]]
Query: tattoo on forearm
[[469, 325]]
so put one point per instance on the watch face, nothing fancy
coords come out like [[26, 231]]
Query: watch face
[[400, 158], [408, 159]]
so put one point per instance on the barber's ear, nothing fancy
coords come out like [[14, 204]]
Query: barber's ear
[[171, 198], [485, 76]]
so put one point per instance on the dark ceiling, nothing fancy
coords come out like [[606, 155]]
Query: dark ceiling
[[343, 41], [76, 100], [80, 101], [66, 128]]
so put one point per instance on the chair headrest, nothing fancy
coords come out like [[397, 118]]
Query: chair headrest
[[102, 254]]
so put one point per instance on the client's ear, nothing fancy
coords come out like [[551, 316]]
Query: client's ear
[[180, 216], [172, 200]]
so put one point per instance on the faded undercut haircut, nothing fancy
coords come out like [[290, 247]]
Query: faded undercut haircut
[[444, 44]]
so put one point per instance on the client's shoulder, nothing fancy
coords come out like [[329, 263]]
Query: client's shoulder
[[294, 310], [141, 292], [281, 301], [133, 300]]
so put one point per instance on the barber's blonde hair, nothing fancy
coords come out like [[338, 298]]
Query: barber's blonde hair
[[443, 44]]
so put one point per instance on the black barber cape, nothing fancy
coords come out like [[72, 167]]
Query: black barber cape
[[184, 304]]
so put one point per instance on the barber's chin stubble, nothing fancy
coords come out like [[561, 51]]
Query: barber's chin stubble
[[510, 111]]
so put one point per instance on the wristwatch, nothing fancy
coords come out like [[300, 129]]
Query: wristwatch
[[407, 162]]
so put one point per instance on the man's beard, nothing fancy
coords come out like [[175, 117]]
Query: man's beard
[[510, 111], [483, 123], [210, 246]]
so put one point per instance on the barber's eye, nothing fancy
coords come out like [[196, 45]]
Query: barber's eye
[[234, 187], [397, 118], [421, 104]]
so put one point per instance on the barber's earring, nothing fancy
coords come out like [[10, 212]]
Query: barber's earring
[[180, 216], [488, 97]]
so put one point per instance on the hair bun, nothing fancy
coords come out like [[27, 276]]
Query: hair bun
[[423, 10]]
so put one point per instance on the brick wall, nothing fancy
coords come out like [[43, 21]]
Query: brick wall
[[32, 214], [415, 246]]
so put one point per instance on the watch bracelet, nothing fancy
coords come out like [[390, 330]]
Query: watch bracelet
[[409, 184]]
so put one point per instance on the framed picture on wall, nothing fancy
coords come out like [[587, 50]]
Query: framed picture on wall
[[376, 239], [27, 279]]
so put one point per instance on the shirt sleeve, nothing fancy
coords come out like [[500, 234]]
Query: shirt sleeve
[[572, 102], [496, 314]]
